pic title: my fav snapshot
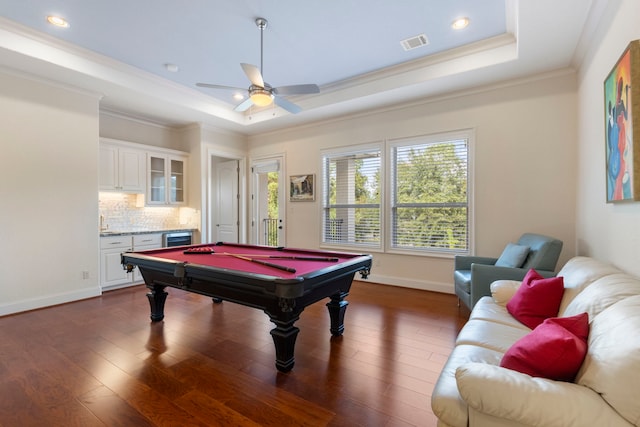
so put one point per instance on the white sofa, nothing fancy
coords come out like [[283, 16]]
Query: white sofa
[[473, 390]]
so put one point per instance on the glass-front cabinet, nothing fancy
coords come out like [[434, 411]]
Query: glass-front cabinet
[[157, 180], [166, 183], [176, 181]]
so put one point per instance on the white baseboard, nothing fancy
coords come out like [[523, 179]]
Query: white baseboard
[[122, 285], [446, 288], [48, 300]]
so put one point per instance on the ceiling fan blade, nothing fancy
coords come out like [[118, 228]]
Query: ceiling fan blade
[[287, 105], [210, 86], [255, 77], [244, 105], [296, 89]]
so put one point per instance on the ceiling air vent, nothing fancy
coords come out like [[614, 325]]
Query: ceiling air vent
[[414, 42]]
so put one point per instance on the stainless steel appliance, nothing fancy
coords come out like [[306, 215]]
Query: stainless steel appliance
[[176, 238]]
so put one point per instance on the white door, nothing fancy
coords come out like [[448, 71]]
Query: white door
[[226, 207], [268, 202]]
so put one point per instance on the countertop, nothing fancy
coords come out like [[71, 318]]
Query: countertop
[[108, 233]]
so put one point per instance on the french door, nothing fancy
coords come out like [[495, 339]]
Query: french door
[[268, 201]]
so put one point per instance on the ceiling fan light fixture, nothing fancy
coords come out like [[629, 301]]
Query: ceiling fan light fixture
[[261, 97], [261, 94]]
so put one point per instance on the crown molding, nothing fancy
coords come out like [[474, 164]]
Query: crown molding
[[424, 101], [41, 80]]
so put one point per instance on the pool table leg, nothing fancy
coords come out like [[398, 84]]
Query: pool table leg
[[337, 307], [284, 337], [157, 296]]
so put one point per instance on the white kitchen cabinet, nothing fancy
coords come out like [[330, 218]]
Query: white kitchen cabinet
[[166, 180], [112, 274], [122, 168], [142, 242]]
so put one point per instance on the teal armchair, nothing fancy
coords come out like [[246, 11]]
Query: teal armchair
[[473, 275]]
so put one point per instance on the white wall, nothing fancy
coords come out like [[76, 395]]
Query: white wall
[[610, 232], [525, 167], [130, 129], [48, 188]]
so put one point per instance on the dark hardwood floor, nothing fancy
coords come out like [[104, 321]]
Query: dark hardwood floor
[[101, 362]]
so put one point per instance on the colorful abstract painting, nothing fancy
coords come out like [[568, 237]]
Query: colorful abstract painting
[[621, 98]]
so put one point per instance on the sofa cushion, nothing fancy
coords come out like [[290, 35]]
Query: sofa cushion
[[501, 397], [486, 309], [446, 402], [580, 272], [536, 299], [513, 256], [611, 365], [493, 335], [603, 293], [503, 290], [554, 350]]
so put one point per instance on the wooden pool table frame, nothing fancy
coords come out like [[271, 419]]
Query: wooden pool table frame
[[282, 299]]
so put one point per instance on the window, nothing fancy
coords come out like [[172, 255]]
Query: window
[[351, 197], [426, 207], [429, 200]]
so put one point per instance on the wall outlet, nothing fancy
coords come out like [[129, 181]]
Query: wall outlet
[[85, 275]]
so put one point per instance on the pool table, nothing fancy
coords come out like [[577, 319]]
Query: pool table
[[280, 281]]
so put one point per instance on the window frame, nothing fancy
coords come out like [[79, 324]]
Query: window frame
[[378, 146], [440, 137], [386, 148]]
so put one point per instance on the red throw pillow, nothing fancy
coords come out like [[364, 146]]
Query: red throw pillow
[[536, 299], [554, 350]]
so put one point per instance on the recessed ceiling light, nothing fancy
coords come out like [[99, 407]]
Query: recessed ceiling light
[[57, 21], [172, 68], [238, 96], [460, 23]]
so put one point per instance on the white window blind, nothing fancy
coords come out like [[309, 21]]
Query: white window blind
[[351, 198], [429, 201]]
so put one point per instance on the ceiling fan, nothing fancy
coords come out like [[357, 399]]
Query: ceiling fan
[[260, 92]]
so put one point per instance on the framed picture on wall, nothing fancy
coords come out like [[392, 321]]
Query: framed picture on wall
[[302, 188], [622, 127]]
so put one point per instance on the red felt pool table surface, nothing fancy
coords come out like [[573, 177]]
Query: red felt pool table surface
[[225, 256]]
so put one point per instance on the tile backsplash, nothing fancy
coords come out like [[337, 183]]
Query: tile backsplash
[[126, 212]]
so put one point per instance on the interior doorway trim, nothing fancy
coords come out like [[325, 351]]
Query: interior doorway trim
[[271, 163], [207, 230]]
